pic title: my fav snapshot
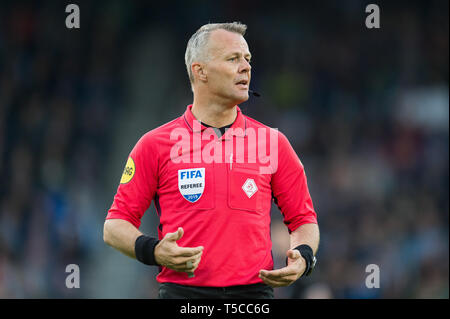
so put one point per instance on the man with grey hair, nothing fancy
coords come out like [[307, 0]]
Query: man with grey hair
[[197, 45], [214, 233]]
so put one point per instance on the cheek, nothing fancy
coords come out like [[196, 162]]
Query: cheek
[[222, 78]]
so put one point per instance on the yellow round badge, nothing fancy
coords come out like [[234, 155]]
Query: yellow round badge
[[128, 172]]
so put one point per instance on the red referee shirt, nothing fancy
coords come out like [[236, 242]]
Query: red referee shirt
[[219, 190]]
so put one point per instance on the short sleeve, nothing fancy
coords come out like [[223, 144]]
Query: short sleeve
[[138, 183], [290, 188]]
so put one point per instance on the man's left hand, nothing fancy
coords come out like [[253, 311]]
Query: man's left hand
[[285, 276]]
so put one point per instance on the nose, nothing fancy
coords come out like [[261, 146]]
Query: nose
[[245, 66]]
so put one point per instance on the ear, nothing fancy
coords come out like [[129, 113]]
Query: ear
[[199, 71]]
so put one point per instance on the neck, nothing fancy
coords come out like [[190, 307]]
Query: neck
[[213, 113]]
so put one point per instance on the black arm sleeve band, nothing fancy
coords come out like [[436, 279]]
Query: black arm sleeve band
[[144, 248], [306, 253]]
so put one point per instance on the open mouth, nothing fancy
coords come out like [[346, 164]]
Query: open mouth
[[243, 84]]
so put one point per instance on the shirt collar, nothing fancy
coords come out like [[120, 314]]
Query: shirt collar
[[237, 129]]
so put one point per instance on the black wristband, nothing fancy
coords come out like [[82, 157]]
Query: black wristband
[[144, 248], [307, 253]]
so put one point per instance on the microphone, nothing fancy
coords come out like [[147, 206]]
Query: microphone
[[254, 93]]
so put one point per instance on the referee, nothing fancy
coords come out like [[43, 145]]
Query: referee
[[212, 189]]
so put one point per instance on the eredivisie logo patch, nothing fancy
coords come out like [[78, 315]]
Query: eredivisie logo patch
[[128, 171], [191, 183]]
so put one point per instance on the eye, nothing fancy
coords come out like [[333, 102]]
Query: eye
[[232, 59]]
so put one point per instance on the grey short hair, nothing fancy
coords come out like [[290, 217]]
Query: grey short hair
[[196, 47]]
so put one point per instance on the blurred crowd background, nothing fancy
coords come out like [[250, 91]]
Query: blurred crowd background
[[367, 111]]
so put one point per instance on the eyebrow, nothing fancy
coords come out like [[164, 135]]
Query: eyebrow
[[249, 55]]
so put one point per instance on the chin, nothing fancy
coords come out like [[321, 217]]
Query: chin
[[237, 98], [242, 98]]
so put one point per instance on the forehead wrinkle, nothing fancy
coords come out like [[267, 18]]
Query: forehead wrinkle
[[219, 42]]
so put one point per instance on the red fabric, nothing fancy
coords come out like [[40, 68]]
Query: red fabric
[[231, 225]]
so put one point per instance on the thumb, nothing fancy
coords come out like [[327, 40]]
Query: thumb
[[175, 235], [293, 254]]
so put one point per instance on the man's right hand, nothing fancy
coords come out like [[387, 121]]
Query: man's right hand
[[170, 255]]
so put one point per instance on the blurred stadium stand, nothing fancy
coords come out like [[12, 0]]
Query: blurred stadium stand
[[366, 110]]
